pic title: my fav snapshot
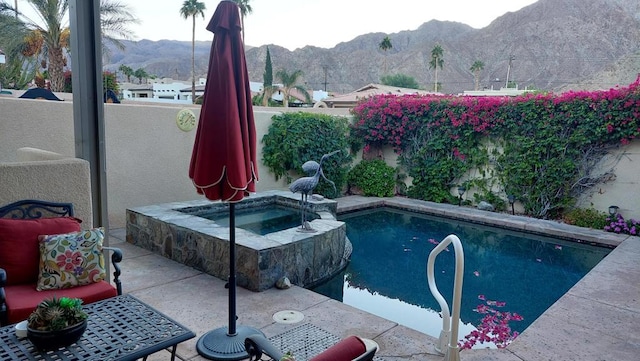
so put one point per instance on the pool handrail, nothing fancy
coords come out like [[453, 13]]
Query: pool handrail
[[448, 340]]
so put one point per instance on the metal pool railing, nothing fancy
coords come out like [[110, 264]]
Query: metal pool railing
[[448, 340]]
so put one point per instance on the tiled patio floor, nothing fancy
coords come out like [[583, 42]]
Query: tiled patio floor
[[598, 319]]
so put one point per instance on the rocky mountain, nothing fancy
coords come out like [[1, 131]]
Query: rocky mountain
[[554, 45]]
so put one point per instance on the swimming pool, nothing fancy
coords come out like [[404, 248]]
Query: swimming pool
[[386, 275]]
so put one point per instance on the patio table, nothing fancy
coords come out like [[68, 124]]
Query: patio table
[[120, 328]]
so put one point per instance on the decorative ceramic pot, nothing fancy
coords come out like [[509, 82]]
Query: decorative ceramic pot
[[51, 340]]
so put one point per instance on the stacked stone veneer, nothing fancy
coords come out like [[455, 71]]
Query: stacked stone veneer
[[305, 258]]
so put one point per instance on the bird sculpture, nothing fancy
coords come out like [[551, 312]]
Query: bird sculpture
[[310, 167], [306, 185]]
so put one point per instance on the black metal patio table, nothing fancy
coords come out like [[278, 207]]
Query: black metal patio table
[[120, 328]]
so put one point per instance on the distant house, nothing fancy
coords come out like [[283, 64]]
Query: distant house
[[350, 100], [502, 92], [185, 93], [136, 91], [165, 90]]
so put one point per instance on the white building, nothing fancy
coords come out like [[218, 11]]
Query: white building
[[165, 90]]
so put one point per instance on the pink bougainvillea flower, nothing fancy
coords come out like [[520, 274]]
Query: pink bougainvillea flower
[[558, 247], [476, 273], [494, 326]]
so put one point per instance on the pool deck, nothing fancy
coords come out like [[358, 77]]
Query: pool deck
[[598, 319]]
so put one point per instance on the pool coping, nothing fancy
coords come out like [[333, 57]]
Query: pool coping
[[597, 319]]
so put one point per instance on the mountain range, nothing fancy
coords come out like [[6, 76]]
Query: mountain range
[[553, 45]]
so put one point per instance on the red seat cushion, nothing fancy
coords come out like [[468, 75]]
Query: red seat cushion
[[19, 247], [23, 299], [346, 350]]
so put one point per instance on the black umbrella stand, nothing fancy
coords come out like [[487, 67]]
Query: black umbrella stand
[[228, 343]]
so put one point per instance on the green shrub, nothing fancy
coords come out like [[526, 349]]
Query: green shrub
[[294, 138], [586, 217], [374, 177]]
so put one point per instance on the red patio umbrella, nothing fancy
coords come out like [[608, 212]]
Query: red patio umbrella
[[223, 162]]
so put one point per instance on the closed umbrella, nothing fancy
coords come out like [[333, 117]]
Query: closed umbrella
[[223, 162]]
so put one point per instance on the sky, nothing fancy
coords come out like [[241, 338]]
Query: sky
[[322, 23]]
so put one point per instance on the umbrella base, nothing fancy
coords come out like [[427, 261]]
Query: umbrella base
[[219, 345]]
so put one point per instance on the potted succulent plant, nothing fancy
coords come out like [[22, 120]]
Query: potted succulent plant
[[56, 322]]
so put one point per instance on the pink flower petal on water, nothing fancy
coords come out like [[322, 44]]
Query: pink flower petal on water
[[433, 241], [481, 297], [558, 247], [476, 273]]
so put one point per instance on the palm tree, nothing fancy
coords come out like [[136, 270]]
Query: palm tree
[[435, 63], [385, 45], [114, 20], [50, 36], [127, 71], [141, 74], [18, 70], [192, 8], [245, 9], [289, 81], [476, 68]]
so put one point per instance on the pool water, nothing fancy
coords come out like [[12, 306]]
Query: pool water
[[387, 272], [262, 220]]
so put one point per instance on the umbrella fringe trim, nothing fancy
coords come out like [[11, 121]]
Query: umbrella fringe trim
[[254, 179]]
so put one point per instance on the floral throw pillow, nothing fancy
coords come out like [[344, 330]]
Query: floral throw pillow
[[71, 259]]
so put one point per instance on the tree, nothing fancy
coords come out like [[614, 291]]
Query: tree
[[385, 45], [50, 38], [18, 70], [127, 71], [289, 81], [267, 80], [114, 20], [476, 68], [435, 63], [192, 8], [400, 80], [109, 82], [245, 9], [140, 74]]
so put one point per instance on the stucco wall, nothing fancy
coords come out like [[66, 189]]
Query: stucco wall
[[55, 180], [147, 155]]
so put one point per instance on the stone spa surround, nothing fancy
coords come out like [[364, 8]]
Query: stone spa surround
[[175, 232]]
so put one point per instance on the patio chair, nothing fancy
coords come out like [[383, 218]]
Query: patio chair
[[310, 343]]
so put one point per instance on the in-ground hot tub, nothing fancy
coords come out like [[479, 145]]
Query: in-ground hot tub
[[176, 231]]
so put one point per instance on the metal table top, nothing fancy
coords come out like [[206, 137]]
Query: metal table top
[[120, 328]]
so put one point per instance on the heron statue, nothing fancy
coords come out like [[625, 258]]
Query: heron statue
[[306, 185]]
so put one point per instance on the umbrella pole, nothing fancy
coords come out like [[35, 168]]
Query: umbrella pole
[[232, 269], [227, 343]]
